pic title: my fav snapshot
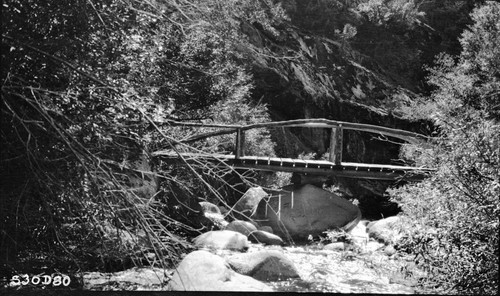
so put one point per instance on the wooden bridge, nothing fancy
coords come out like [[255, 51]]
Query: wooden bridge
[[334, 166]]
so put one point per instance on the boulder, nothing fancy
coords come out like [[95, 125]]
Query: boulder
[[213, 214], [248, 203], [266, 229], [266, 238], [306, 210], [203, 271], [385, 230], [222, 239], [242, 227], [268, 265], [209, 208]]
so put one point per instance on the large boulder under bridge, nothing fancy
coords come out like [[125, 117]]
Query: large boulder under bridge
[[300, 211]]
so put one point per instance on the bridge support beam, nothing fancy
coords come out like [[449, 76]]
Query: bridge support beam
[[302, 179], [336, 145], [239, 149]]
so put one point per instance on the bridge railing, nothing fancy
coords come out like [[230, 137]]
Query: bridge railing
[[336, 137]]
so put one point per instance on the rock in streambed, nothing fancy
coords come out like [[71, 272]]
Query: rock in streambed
[[203, 271], [266, 265], [222, 239]]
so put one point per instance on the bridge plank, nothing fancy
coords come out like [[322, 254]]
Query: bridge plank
[[319, 167]]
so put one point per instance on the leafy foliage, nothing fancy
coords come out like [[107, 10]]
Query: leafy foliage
[[385, 12], [86, 86], [456, 211]]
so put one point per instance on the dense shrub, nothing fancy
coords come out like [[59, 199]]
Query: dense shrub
[[456, 211]]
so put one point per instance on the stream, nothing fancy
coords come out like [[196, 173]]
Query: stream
[[364, 270], [344, 272], [368, 270]]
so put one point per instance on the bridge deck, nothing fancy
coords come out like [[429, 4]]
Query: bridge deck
[[314, 167]]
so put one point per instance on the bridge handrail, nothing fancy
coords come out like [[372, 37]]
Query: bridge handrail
[[408, 136]]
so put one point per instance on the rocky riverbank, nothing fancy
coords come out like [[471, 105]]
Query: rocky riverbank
[[319, 270], [248, 254], [365, 263]]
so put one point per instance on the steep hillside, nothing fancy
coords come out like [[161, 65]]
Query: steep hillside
[[338, 61]]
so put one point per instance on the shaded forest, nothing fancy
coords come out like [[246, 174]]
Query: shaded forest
[[90, 90]]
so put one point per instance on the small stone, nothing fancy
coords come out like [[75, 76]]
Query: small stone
[[266, 229], [385, 230], [222, 239], [242, 227], [390, 250], [265, 238], [338, 246], [359, 236], [209, 208], [150, 256], [217, 219]]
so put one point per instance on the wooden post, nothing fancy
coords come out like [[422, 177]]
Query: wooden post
[[240, 144], [336, 145]]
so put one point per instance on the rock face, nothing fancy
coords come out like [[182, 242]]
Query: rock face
[[306, 210], [264, 265], [248, 203], [203, 271], [330, 77], [222, 239], [265, 238], [242, 227], [385, 230]]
